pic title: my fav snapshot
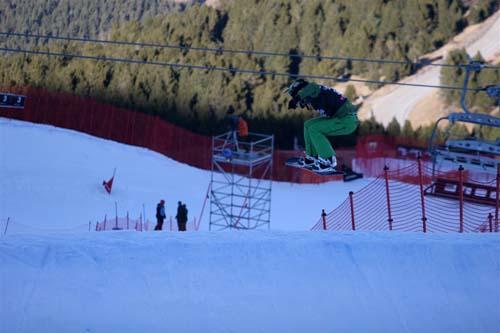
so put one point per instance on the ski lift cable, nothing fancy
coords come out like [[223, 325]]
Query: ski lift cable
[[232, 51], [223, 69]]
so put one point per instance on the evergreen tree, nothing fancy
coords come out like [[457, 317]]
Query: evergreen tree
[[455, 76], [370, 126], [407, 130], [197, 99], [482, 9], [393, 128]]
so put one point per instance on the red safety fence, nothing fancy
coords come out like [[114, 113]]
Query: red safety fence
[[134, 128], [173, 226], [86, 115], [414, 198], [11, 226], [113, 123], [123, 223], [127, 223]]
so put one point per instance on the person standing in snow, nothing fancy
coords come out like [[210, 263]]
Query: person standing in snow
[[178, 217], [160, 215], [337, 117], [183, 217]]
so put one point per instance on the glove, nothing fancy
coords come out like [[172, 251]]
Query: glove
[[292, 104]]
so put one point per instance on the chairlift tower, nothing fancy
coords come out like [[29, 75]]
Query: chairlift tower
[[471, 152], [241, 181]]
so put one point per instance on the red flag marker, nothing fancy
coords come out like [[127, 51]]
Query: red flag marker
[[109, 184]]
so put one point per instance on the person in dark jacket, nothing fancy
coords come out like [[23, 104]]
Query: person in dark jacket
[[182, 216], [160, 215], [232, 120], [178, 217], [337, 117]]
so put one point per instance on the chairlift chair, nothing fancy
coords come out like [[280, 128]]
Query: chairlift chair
[[472, 152]]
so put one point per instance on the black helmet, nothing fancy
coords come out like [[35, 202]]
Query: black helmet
[[296, 86]]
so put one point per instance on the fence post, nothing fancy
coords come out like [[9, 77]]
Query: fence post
[[170, 222], [97, 226], [490, 222], [105, 216], [388, 196], [323, 217], [421, 183], [6, 226], [90, 224], [116, 215], [497, 206], [127, 220], [461, 197], [351, 200]]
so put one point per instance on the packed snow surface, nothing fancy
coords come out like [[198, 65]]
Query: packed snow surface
[[55, 277], [52, 178], [257, 281]]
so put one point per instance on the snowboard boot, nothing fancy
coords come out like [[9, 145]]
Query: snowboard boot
[[324, 165], [307, 161]]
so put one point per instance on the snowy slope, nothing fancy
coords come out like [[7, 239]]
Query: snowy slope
[[250, 282], [261, 281], [51, 178]]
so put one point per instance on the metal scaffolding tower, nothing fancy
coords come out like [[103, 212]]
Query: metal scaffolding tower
[[241, 181]]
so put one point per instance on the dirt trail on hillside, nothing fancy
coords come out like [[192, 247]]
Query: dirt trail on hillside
[[399, 101]]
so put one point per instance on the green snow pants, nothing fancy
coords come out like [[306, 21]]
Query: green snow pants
[[316, 131]]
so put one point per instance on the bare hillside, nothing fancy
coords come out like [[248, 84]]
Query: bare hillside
[[423, 105]]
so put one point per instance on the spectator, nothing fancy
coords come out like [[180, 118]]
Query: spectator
[[242, 128], [160, 215], [238, 129], [178, 217], [232, 118], [183, 217], [243, 137]]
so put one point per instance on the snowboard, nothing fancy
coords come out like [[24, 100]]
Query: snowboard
[[294, 163], [347, 172]]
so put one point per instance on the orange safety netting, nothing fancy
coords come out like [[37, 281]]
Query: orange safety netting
[[135, 128], [402, 200]]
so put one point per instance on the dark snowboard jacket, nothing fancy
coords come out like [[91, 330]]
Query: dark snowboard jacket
[[327, 103], [182, 214], [160, 211]]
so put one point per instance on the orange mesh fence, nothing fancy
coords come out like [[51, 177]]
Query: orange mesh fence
[[123, 223], [117, 124], [404, 200], [135, 128], [127, 223]]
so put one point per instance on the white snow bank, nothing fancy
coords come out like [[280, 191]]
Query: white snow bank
[[250, 282]]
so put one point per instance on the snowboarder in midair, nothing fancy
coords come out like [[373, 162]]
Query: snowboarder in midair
[[337, 117]]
